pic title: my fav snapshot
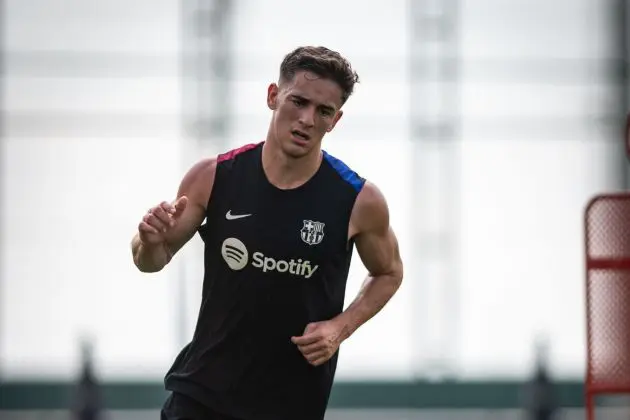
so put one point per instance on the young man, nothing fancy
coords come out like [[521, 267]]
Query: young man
[[282, 219]]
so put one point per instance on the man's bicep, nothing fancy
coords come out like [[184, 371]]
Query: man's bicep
[[378, 251], [197, 186], [376, 242]]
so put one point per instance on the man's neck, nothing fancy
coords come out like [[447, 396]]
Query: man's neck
[[286, 172]]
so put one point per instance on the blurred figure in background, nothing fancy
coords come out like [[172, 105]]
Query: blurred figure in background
[[541, 401], [88, 394]]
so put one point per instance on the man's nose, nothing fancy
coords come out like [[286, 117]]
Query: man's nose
[[307, 117]]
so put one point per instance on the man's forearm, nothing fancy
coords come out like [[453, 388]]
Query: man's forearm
[[149, 259], [374, 295]]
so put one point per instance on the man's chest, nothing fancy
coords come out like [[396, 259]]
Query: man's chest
[[282, 229]]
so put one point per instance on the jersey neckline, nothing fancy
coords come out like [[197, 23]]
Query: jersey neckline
[[294, 190]]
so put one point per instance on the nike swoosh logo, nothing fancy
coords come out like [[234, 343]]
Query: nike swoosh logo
[[231, 216]]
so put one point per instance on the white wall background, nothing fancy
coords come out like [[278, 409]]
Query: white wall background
[[74, 189]]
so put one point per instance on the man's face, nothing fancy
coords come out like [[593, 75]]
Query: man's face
[[305, 109]]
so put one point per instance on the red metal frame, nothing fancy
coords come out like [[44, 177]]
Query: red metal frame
[[619, 264]]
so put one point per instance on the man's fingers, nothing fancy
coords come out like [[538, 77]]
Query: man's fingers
[[318, 360], [181, 202], [180, 205], [153, 221], [316, 356], [163, 216], [305, 340], [312, 348], [167, 207], [310, 328], [145, 227]]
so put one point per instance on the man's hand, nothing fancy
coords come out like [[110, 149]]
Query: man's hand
[[159, 220], [319, 342], [166, 227]]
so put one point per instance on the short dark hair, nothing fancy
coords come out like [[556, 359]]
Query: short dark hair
[[322, 62]]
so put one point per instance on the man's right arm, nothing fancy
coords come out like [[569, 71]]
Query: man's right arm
[[196, 187]]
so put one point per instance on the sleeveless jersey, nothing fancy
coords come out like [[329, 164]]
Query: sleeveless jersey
[[274, 261]]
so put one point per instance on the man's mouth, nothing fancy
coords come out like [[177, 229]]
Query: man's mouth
[[300, 135]]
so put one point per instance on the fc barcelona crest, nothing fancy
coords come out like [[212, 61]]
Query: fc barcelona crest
[[312, 232]]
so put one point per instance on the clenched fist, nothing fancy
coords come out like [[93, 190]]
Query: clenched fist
[[159, 220], [319, 342]]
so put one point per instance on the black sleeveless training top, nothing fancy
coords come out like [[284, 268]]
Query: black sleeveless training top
[[275, 260]]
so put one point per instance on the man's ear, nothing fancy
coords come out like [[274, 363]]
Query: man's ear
[[335, 120], [272, 96]]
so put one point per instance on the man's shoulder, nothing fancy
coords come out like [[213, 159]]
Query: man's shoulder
[[199, 179], [345, 172], [236, 153], [202, 169], [203, 174], [370, 210]]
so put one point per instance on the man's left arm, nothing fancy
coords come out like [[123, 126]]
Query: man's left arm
[[377, 247]]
